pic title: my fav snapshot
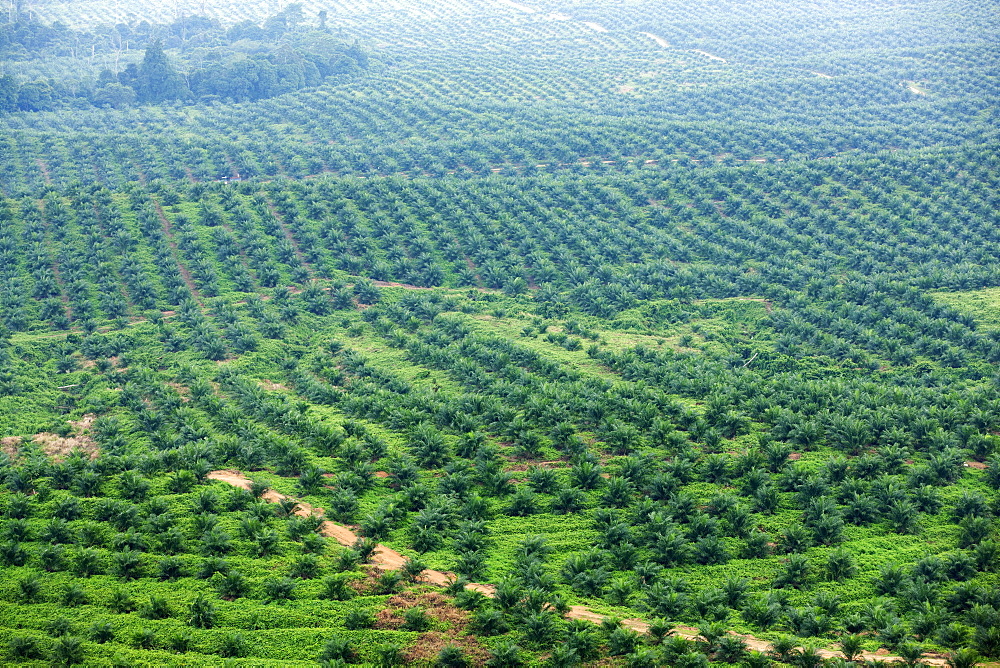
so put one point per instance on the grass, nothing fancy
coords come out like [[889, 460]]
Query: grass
[[983, 305]]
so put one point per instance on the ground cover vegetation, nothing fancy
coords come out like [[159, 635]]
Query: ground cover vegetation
[[672, 327]]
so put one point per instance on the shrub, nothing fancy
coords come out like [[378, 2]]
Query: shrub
[[279, 589], [622, 641], [231, 586], [730, 649], [73, 595], [963, 658], [144, 639], [840, 565], [120, 602], [156, 608], [170, 568], [24, 647], [101, 632], [851, 646], [232, 645], [539, 628], [60, 626], [388, 656], [305, 567], [337, 648], [756, 660], [126, 565], [335, 588], [413, 567], [796, 572], [489, 622], [50, 558], [29, 588], [416, 619], [180, 641], [358, 618], [389, 581], [451, 657], [506, 655], [567, 501], [67, 651], [364, 548], [201, 613]]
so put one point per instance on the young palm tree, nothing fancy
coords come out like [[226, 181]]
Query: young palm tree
[[851, 646], [201, 613]]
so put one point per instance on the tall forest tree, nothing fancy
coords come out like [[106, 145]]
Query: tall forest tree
[[155, 80]]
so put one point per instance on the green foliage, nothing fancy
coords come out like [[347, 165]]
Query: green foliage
[[712, 343]]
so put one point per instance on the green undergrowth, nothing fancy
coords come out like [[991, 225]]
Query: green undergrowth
[[340, 397]]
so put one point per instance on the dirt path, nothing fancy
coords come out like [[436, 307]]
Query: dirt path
[[820, 74], [293, 242], [388, 559], [384, 557], [596, 27], [583, 612], [659, 40], [43, 167], [185, 274], [708, 55]]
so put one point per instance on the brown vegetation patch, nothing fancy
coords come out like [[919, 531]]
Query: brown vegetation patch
[[181, 390], [272, 386], [367, 585], [60, 447], [425, 651], [393, 284], [8, 445], [795, 456], [437, 606], [976, 465]]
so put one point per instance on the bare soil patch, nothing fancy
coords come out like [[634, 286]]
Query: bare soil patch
[[708, 55], [659, 40]]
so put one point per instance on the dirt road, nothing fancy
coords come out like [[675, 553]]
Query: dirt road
[[388, 559]]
